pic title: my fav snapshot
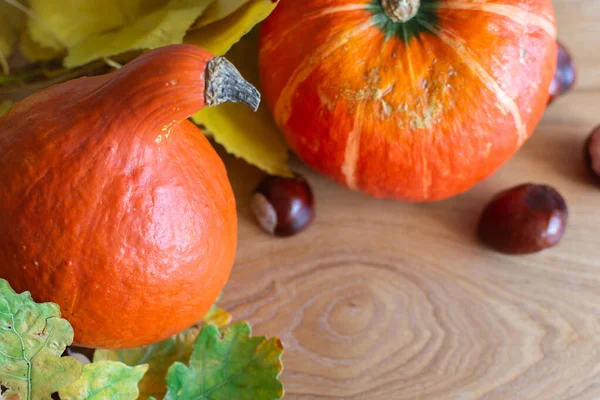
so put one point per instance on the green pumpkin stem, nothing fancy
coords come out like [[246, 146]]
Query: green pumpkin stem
[[401, 10]]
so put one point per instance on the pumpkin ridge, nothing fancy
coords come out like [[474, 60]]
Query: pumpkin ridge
[[309, 17], [336, 9], [352, 151], [283, 104], [505, 102], [516, 14]]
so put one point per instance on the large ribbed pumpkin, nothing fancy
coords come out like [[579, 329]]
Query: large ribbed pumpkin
[[408, 99], [113, 205]]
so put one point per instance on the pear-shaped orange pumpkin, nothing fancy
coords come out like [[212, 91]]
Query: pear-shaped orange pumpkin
[[113, 205], [408, 99]]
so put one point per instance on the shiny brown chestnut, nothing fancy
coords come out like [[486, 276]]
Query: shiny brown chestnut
[[283, 206], [564, 76], [592, 153], [524, 219]]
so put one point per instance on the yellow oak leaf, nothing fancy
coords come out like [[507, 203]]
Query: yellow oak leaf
[[219, 36]]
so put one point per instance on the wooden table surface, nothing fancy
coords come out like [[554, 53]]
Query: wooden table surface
[[384, 300]]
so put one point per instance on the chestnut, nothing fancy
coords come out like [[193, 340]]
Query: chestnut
[[283, 206], [524, 219], [592, 153], [564, 76]]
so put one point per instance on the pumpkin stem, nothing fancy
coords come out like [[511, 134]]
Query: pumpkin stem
[[225, 84], [401, 10]]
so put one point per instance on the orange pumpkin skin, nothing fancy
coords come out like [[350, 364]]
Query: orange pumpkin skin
[[416, 111], [113, 205]]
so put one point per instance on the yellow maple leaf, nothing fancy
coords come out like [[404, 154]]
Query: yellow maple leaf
[[219, 36], [251, 136]]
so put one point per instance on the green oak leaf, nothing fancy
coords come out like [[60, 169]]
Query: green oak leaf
[[32, 339], [105, 380], [160, 356], [228, 364]]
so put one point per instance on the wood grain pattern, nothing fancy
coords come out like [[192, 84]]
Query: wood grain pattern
[[385, 300]]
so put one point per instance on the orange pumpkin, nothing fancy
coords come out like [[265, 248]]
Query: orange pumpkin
[[113, 205], [408, 99]]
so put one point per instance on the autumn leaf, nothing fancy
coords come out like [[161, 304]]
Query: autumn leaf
[[252, 136], [217, 316], [160, 356], [32, 339], [219, 36], [105, 380], [34, 52], [95, 29], [167, 25], [60, 24], [228, 364], [12, 22], [217, 11]]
